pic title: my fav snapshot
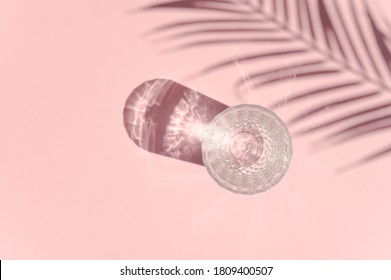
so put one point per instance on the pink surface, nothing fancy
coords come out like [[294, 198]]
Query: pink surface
[[74, 186]]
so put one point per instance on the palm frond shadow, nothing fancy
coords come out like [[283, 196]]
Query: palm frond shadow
[[332, 38]]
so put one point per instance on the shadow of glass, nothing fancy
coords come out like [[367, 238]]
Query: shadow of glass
[[169, 119]]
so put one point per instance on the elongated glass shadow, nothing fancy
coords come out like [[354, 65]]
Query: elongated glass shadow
[[169, 119]]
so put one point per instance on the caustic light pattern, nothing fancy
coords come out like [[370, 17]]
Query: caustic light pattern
[[167, 118], [247, 149]]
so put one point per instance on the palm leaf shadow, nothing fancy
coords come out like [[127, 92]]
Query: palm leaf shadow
[[352, 40]]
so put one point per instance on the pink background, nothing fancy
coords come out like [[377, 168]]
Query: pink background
[[74, 186]]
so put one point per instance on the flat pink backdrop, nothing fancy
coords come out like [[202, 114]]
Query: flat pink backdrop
[[74, 186]]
